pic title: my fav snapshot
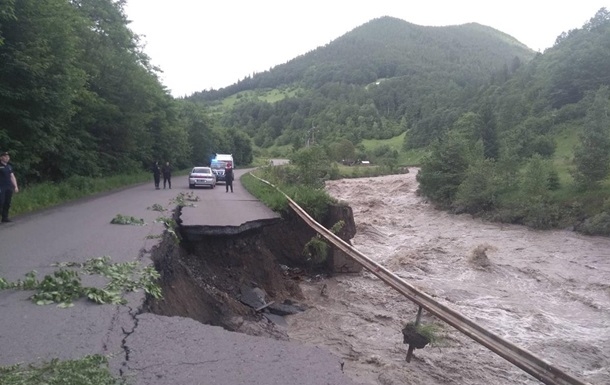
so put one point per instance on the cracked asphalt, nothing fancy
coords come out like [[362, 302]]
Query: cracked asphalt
[[144, 348]]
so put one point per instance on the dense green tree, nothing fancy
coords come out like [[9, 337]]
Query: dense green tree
[[238, 144], [312, 164], [488, 133], [536, 179], [124, 107], [125, 99], [201, 138], [469, 125], [342, 150], [534, 200], [531, 136], [480, 189], [77, 95], [172, 139], [444, 169], [7, 12], [579, 61], [39, 80], [592, 155]]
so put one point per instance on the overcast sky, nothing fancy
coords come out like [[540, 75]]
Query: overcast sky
[[202, 44]]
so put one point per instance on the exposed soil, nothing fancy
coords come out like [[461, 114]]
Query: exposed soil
[[548, 292], [205, 281], [240, 281]]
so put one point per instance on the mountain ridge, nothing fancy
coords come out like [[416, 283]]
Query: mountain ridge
[[386, 47]]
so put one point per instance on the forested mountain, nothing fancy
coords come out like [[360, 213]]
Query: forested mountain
[[387, 48], [376, 81]]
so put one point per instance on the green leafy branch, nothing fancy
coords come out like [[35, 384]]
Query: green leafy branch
[[181, 200], [184, 199], [64, 286], [157, 207], [170, 226], [127, 220], [89, 370]]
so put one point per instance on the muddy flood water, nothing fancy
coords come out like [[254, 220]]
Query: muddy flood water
[[545, 291]]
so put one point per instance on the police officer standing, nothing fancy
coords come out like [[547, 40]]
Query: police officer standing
[[8, 185], [229, 177], [156, 174], [167, 175]]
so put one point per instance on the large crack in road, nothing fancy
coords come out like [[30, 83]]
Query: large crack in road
[[208, 274]]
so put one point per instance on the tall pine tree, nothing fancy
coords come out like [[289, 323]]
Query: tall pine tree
[[592, 154]]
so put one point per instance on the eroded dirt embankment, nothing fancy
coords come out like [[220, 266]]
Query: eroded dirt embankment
[[207, 277]]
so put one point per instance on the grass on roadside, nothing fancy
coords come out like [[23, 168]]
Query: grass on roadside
[[44, 195], [48, 194], [313, 200], [267, 194]]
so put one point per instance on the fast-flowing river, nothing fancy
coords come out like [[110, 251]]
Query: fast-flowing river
[[546, 291]]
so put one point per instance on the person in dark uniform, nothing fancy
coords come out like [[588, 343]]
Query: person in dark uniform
[[167, 175], [156, 174], [229, 177], [8, 185]]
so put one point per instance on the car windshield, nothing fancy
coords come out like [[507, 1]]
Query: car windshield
[[201, 170], [218, 164]]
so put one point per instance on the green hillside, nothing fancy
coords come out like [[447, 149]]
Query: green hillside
[[375, 82], [499, 130]]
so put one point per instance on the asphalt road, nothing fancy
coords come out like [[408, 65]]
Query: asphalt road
[[147, 348]]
